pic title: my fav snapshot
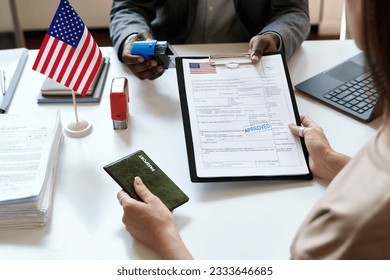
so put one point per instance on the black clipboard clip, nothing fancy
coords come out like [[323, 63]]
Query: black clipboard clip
[[230, 60]]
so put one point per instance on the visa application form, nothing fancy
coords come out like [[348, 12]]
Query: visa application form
[[239, 119]]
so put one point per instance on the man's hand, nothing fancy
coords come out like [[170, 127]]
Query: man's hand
[[142, 69], [261, 44]]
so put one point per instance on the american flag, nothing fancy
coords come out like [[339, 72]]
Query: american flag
[[202, 68], [68, 53]]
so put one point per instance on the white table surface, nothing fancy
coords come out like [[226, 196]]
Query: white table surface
[[240, 220]]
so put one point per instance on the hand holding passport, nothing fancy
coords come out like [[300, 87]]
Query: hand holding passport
[[124, 170]]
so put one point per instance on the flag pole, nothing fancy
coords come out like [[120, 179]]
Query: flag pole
[[77, 128], [75, 106]]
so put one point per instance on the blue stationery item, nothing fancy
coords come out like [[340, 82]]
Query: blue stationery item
[[158, 50], [12, 61]]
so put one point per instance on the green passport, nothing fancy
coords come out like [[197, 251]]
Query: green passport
[[139, 164]]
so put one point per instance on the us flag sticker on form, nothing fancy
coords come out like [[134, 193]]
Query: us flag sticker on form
[[202, 68]]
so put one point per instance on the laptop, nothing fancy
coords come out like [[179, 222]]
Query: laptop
[[347, 87]]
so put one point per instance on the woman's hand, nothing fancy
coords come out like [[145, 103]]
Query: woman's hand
[[151, 223], [324, 162]]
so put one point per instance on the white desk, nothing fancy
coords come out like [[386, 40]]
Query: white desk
[[250, 220]]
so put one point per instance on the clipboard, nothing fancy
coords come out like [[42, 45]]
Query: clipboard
[[230, 60], [185, 95]]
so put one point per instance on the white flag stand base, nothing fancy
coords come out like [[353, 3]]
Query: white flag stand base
[[78, 129]]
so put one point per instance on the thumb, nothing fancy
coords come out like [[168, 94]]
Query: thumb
[[294, 129], [144, 36], [142, 191]]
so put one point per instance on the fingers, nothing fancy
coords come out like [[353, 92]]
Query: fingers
[[307, 125], [142, 191], [261, 44], [144, 35], [296, 130], [147, 70], [142, 69], [123, 197], [300, 130], [256, 48], [307, 122], [129, 59]]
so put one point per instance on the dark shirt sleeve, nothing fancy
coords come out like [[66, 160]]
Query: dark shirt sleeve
[[290, 19], [129, 17]]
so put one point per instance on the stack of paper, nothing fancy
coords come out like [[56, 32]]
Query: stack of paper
[[29, 148]]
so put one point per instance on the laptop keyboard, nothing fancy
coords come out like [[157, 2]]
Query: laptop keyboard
[[358, 95]]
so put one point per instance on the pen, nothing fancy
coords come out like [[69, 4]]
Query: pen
[[2, 81]]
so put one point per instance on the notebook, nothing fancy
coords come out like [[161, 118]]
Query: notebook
[[53, 92], [52, 88], [347, 87]]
